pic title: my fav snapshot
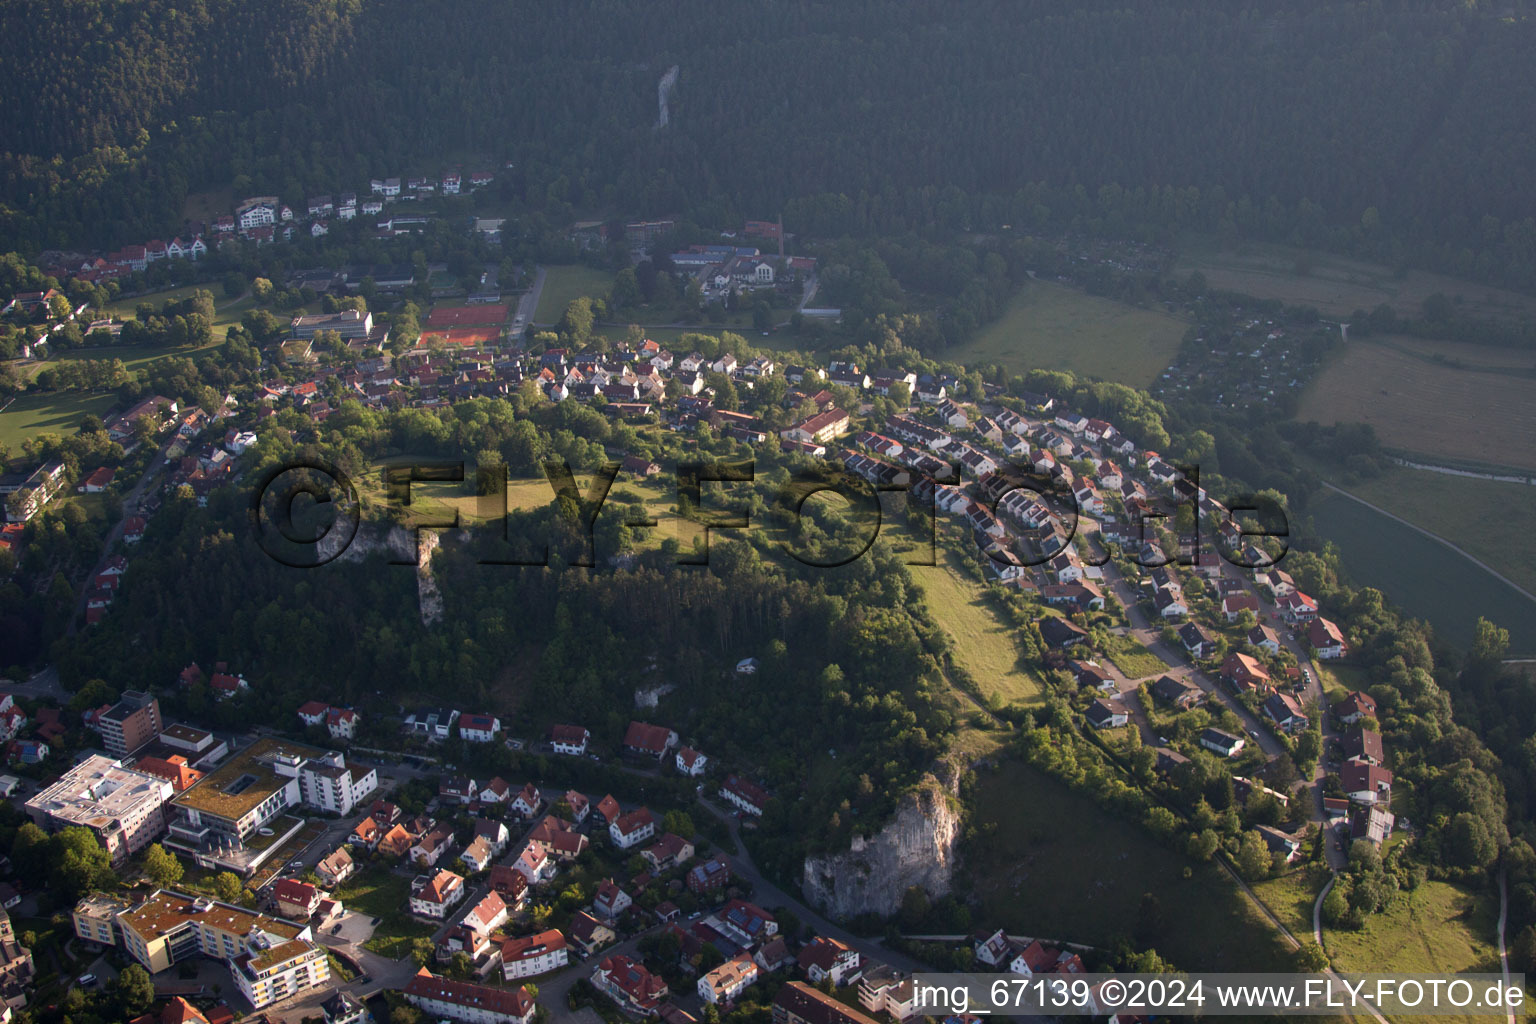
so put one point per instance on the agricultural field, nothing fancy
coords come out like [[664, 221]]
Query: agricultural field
[[564, 285], [1438, 928], [1053, 327], [1421, 575], [1492, 520], [983, 642], [1337, 285], [1418, 405], [56, 413], [1060, 867]]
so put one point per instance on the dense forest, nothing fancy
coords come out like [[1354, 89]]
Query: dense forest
[[1397, 129]]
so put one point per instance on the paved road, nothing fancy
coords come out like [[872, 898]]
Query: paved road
[[130, 507], [1179, 667], [530, 300]]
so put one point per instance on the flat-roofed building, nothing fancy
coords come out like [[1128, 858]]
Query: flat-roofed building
[[201, 748], [348, 323], [270, 959], [123, 808], [130, 724], [260, 782]]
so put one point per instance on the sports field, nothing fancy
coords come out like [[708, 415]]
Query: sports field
[[564, 285], [59, 413], [1420, 406], [1053, 327]]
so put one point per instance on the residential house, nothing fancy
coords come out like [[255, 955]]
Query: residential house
[[626, 982], [1355, 706], [1222, 744], [528, 802], [668, 852], [1244, 672], [434, 895], [1326, 639], [295, 900], [1285, 712], [336, 867], [647, 740], [1103, 715], [611, 901], [729, 980], [629, 830], [443, 998], [569, 739], [829, 958], [477, 855], [533, 955], [1362, 744], [477, 728], [1366, 783], [745, 794], [589, 934]]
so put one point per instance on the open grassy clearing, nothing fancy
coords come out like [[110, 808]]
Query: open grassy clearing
[[1336, 285], [984, 644], [564, 285], [1132, 657], [1424, 577], [380, 893], [1291, 896], [1420, 406], [1051, 326], [1438, 928], [57, 413], [1060, 867], [1492, 520]]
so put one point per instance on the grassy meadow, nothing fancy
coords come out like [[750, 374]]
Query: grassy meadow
[[1051, 326]]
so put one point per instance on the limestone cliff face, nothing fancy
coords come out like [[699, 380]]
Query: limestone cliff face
[[916, 847]]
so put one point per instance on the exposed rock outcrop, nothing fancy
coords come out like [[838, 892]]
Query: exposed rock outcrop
[[916, 847]]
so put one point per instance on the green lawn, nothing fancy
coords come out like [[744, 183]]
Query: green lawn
[[380, 893], [1050, 326], [56, 413], [563, 285], [1422, 576], [984, 644], [1060, 867], [1132, 658]]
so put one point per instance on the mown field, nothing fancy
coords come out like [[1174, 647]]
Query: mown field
[[1491, 520], [1425, 578], [1421, 406], [1054, 327], [564, 285], [1060, 867], [1336, 285], [30, 415]]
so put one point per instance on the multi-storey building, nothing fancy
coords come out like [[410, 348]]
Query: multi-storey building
[[270, 959], [123, 808], [130, 724], [259, 783]]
